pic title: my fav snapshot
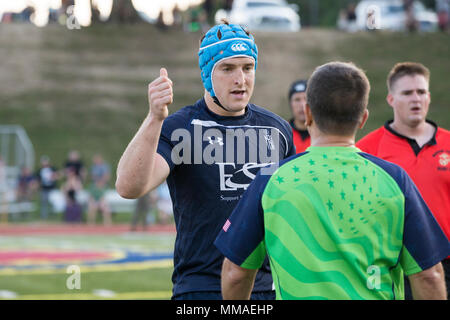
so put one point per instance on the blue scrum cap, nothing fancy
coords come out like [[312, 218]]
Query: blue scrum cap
[[220, 42]]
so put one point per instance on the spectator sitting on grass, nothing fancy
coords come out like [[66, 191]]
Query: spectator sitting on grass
[[75, 163], [73, 211], [47, 176], [100, 174], [25, 185]]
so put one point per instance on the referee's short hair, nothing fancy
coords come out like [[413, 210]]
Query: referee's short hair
[[402, 69], [338, 94]]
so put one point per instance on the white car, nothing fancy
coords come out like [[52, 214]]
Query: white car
[[262, 15], [390, 15]]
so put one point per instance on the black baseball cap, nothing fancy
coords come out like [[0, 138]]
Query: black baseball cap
[[297, 86]]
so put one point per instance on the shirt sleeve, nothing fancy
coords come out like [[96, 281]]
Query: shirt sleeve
[[291, 146], [424, 243], [241, 239]]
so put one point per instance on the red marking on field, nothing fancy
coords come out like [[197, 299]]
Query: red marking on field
[[12, 230], [16, 257]]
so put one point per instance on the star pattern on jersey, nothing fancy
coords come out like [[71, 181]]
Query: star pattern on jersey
[[350, 184], [331, 184], [280, 179], [330, 205]]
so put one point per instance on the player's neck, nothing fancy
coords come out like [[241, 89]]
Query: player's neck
[[299, 125], [327, 140], [214, 108], [422, 132]]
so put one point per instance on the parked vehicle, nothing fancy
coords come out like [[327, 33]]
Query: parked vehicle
[[390, 15], [262, 15]]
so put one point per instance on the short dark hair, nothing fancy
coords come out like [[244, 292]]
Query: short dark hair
[[402, 69], [338, 94]]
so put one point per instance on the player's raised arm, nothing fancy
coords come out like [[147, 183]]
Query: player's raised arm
[[141, 168]]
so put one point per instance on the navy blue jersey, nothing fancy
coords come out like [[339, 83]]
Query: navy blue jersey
[[212, 161]]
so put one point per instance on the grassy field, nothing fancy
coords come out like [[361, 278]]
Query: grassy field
[[46, 279], [86, 89]]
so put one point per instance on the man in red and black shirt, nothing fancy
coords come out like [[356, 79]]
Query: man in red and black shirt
[[297, 101], [415, 143]]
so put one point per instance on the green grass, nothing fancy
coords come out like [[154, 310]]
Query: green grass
[[141, 242], [147, 280], [86, 89], [142, 284]]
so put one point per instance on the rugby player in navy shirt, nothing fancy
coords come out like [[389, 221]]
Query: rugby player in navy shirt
[[209, 153]]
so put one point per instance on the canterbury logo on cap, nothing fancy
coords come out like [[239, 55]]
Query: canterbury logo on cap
[[239, 47]]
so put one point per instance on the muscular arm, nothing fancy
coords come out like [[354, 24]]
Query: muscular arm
[[237, 282], [429, 284], [141, 168]]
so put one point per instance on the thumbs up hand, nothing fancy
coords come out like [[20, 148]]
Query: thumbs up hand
[[160, 95]]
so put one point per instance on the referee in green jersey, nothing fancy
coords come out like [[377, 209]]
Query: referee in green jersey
[[336, 223]]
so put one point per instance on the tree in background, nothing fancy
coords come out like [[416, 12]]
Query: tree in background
[[324, 13], [123, 11]]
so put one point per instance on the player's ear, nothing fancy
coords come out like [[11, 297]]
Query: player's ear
[[364, 118], [390, 99], [308, 115]]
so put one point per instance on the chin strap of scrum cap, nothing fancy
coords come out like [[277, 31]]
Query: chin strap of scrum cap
[[216, 101]]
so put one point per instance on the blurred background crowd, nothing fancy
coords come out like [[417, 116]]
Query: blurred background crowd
[[76, 193]]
